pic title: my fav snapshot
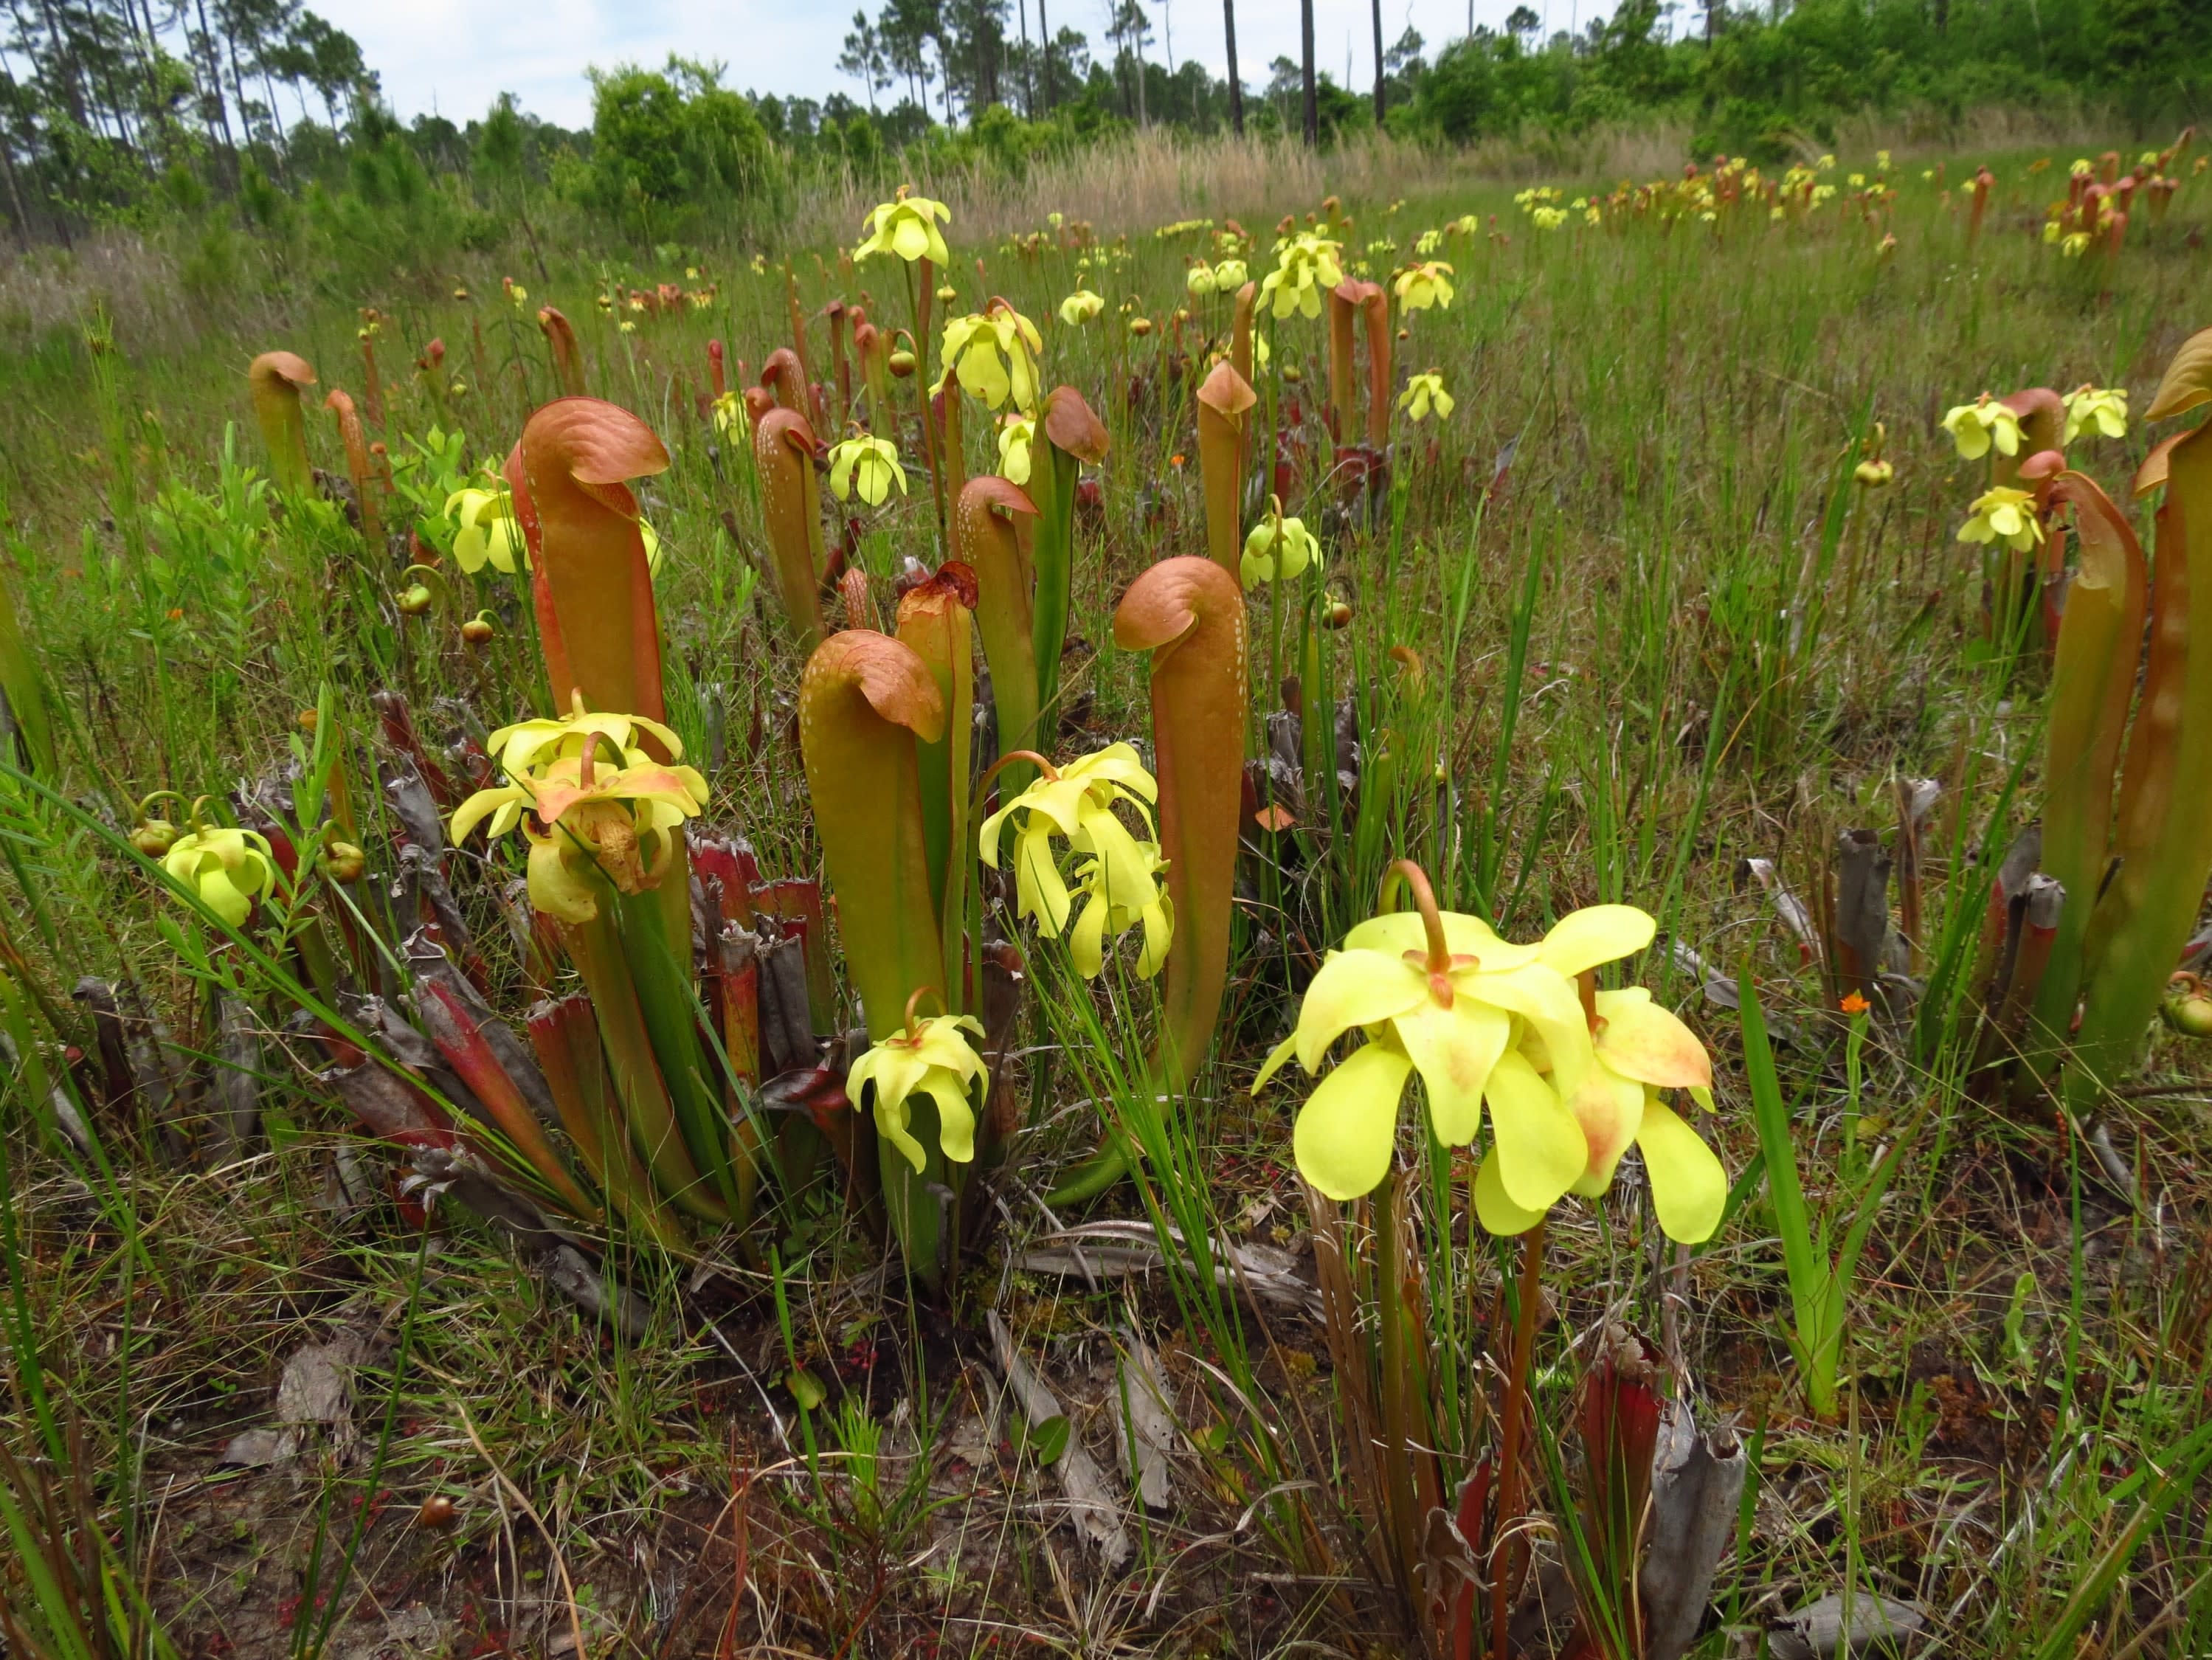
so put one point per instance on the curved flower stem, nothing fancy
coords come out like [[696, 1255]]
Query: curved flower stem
[[1500, 1557], [1416, 881]]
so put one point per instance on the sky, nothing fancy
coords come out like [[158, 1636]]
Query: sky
[[455, 56]]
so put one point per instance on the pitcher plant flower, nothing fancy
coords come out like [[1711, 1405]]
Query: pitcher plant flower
[[1425, 393], [485, 532], [994, 354], [1074, 804], [1422, 286], [598, 800], [1118, 896], [1017, 437], [1981, 425], [731, 415], [930, 1056], [1307, 267], [908, 228], [1439, 993], [1278, 548], [229, 869], [2003, 514], [2103, 409], [867, 464], [1081, 306]]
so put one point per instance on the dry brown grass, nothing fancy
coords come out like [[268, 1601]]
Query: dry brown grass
[[130, 276]]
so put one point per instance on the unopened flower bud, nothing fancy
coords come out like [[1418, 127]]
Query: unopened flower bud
[[1336, 615], [948, 293], [154, 837], [1293, 373], [413, 601], [478, 631], [2188, 1005], [901, 363], [344, 863], [1140, 326]]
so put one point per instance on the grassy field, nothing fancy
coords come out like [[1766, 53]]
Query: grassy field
[[1622, 622]]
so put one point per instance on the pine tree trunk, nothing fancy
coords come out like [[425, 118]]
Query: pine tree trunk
[[1378, 64], [1236, 86], [1306, 42]]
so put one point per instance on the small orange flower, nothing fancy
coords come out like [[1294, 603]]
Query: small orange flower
[[1854, 1004], [1177, 460]]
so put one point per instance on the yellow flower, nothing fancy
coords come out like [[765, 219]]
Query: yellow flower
[[1827, 164], [2006, 514], [1875, 472], [626, 326], [1440, 995], [1117, 895], [993, 353], [1199, 280], [871, 464], [597, 803], [1977, 425], [1228, 276], [1278, 548], [1080, 307], [931, 1057], [730, 415], [2082, 167], [1076, 802], [1881, 160], [1422, 286], [1548, 218], [485, 532], [2106, 409], [228, 869], [1611, 1085], [2074, 244], [1423, 392], [1017, 438], [907, 227], [1306, 267]]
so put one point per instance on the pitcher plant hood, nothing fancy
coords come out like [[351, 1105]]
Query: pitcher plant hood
[[591, 579]]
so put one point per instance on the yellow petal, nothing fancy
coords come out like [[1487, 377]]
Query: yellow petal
[[1638, 1039], [1354, 988], [1610, 1110], [1343, 1135], [1689, 1189], [1536, 1142], [1087, 940], [1454, 1050], [956, 1119], [556, 889], [1274, 1064], [1494, 1208], [1597, 933]]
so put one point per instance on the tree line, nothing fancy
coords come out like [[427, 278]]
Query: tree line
[[126, 110]]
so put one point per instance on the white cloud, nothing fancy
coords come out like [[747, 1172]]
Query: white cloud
[[455, 59]]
